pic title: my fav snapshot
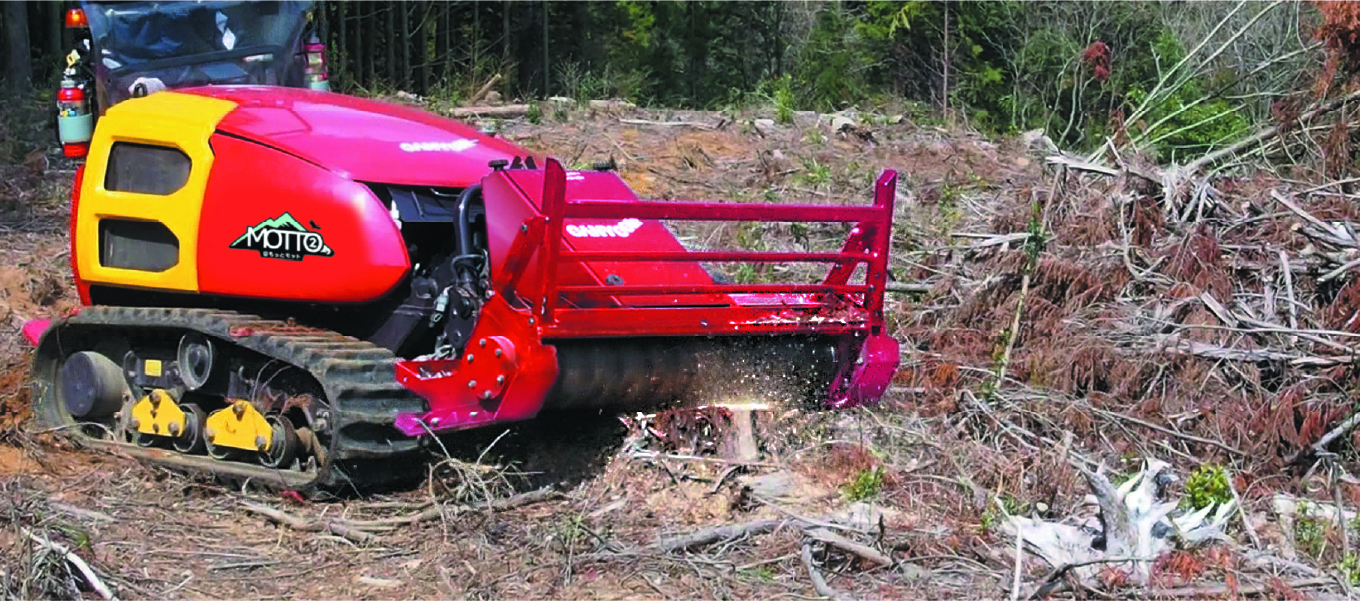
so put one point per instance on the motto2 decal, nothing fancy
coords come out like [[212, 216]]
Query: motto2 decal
[[283, 238]]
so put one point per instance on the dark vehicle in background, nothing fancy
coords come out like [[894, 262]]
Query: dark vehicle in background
[[130, 49]]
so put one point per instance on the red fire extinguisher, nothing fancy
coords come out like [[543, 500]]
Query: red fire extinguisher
[[75, 124]]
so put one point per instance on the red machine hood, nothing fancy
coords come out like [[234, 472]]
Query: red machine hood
[[365, 140]]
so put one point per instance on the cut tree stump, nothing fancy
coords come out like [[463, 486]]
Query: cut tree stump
[[739, 442]]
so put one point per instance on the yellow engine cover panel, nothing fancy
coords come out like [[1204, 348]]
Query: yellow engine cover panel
[[167, 119]]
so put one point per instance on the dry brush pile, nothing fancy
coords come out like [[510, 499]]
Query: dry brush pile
[[1113, 309]]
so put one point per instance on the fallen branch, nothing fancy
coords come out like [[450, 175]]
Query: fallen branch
[[1339, 271], [818, 582], [509, 110], [84, 568], [666, 123], [810, 521], [1208, 591], [998, 240], [906, 288], [306, 525], [1209, 351], [1267, 133], [486, 87], [1328, 234], [1055, 578], [866, 552], [717, 534], [1080, 165]]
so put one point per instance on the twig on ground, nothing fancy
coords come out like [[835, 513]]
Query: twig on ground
[[1054, 578], [666, 123], [818, 582], [1205, 591], [1181, 435], [1209, 351], [709, 536], [866, 552], [1320, 446], [306, 525], [1242, 512], [1019, 561]]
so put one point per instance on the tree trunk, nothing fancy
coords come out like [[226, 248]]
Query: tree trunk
[[18, 68], [441, 42], [944, 93], [547, 72], [422, 57], [391, 43], [56, 27], [340, 57], [369, 50], [505, 32], [778, 40], [404, 28]]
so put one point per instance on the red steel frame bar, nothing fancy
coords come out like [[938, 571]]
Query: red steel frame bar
[[867, 243]]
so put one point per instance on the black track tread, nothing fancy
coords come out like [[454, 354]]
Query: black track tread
[[358, 378]]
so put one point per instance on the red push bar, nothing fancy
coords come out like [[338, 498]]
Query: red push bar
[[867, 243], [707, 211]]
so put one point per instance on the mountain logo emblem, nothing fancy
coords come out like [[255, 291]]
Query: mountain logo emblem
[[283, 238]]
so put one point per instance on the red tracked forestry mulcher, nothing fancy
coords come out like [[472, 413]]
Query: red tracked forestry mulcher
[[304, 288]]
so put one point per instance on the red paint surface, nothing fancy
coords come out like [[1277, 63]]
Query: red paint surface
[[251, 183], [549, 285], [35, 328], [454, 387], [832, 306], [359, 138], [865, 380], [82, 288], [517, 195]]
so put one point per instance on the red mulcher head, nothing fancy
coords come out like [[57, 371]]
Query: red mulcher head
[[595, 302]]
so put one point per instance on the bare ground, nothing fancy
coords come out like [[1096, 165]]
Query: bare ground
[[1086, 375]]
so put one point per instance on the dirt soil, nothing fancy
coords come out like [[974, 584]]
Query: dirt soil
[[932, 461]]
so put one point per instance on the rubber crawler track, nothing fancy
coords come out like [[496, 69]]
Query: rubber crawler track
[[358, 379]]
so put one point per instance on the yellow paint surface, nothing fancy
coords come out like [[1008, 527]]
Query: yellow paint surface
[[183, 121]]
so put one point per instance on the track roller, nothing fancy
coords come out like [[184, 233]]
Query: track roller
[[91, 386], [283, 447], [196, 359], [219, 451], [191, 439]]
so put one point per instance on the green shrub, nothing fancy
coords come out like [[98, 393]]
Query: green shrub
[[1207, 486], [783, 102], [866, 485]]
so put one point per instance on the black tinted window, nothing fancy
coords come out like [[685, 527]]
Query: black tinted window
[[146, 169]]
